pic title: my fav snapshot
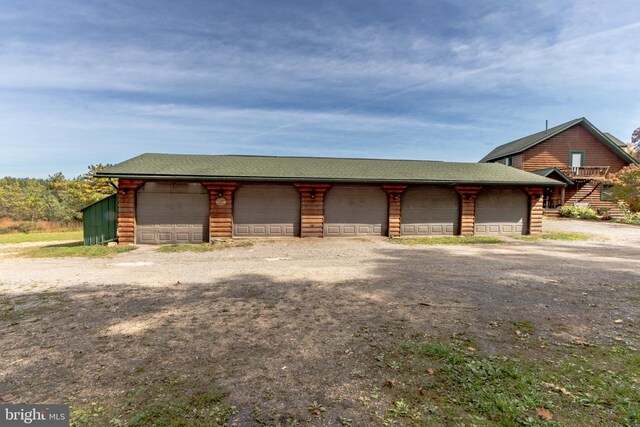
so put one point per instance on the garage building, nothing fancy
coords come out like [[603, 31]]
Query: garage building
[[166, 198]]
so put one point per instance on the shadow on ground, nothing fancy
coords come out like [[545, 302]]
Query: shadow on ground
[[279, 346]]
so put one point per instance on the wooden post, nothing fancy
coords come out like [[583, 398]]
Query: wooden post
[[312, 208], [127, 210], [468, 195], [394, 195], [562, 196], [536, 209], [220, 208]]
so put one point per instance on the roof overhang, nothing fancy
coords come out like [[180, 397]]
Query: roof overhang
[[550, 171], [546, 183]]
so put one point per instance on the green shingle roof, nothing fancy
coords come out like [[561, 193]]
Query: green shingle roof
[[519, 145], [318, 169], [618, 142], [549, 171]]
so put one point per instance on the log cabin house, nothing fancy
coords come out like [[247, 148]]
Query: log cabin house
[[576, 153]]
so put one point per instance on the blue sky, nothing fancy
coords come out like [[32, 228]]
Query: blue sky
[[102, 81]]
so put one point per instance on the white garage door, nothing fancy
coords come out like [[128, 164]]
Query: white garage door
[[355, 211], [501, 211], [267, 211], [430, 211], [172, 213]]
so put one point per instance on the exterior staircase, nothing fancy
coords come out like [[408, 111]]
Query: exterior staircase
[[589, 195]]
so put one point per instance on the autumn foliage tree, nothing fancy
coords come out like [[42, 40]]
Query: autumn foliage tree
[[55, 198], [626, 186]]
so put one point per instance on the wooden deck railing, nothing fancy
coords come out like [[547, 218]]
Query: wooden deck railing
[[587, 172]]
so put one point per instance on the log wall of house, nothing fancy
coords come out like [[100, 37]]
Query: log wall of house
[[220, 208], [536, 209], [312, 209], [517, 161], [394, 196], [468, 195], [589, 193], [555, 151], [127, 210]]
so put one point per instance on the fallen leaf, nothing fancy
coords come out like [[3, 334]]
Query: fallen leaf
[[618, 321], [542, 346], [315, 411], [518, 333], [581, 342], [391, 383], [431, 371], [544, 413], [559, 389], [471, 349]]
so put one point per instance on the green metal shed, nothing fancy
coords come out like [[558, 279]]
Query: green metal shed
[[100, 221]]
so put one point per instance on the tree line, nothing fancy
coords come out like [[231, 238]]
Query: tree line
[[55, 198]]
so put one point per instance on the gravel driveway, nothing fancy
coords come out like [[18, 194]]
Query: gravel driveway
[[284, 323]]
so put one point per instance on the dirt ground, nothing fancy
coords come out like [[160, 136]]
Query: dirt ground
[[285, 323]]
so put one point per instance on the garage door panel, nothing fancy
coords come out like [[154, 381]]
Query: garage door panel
[[429, 211], [501, 211], [266, 211], [172, 213], [355, 211]]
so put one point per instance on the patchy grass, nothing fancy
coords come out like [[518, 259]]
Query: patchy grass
[[524, 325], [448, 240], [168, 401], [8, 225], [555, 235], [38, 304], [75, 249], [40, 237], [203, 247], [451, 383]]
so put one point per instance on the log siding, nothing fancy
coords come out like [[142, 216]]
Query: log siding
[[394, 196], [468, 196], [220, 208], [312, 209], [127, 210], [536, 210], [556, 151]]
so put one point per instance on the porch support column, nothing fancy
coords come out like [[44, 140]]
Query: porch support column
[[536, 209], [127, 210], [220, 208], [468, 195], [312, 208], [562, 196], [394, 195]]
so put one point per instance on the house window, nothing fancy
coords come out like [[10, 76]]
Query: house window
[[576, 159], [508, 161], [605, 193]]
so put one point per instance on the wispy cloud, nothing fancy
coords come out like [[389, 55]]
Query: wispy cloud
[[435, 82]]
